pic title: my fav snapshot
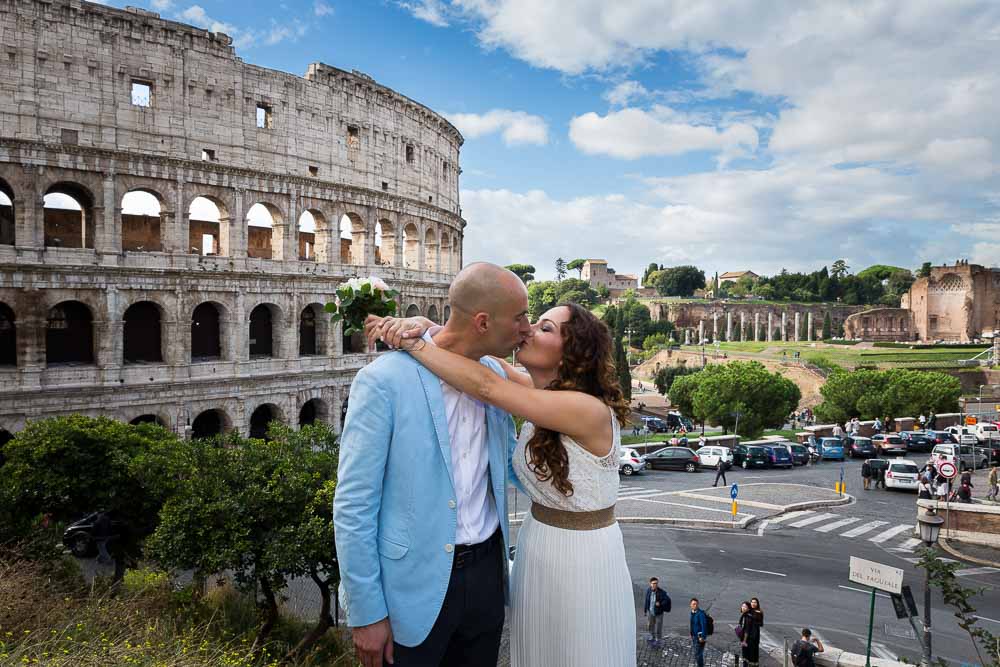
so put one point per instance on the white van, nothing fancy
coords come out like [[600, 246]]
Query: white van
[[987, 432], [964, 456], [964, 434]]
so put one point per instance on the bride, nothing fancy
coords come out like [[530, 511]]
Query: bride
[[571, 590]]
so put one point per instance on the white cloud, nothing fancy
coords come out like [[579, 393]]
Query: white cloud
[[244, 38], [162, 5], [625, 92], [987, 254], [430, 11], [634, 133], [321, 8], [516, 127]]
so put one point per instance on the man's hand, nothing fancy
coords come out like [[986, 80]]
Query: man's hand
[[393, 330], [373, 642]]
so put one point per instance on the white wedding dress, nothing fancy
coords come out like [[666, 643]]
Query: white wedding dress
[[571, 596]]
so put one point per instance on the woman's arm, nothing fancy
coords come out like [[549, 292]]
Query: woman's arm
[[513, 374], [580, 416]]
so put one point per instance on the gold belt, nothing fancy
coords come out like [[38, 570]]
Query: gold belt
[[573, 520]]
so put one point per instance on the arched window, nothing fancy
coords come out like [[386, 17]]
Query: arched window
[[261, 219], [307, 332], [141, 224], [313, 410], [261, 417], [411, 247], [206, 339], [207, 220], [261, 332], [432, 314], [413, 310], [8, 336], [142, 333], [447, 314], [208, 424], [307, 236], [6, 213], [430, 251], [69, 334], [147, 419], [385, 243], [68, 217], [352, 239]]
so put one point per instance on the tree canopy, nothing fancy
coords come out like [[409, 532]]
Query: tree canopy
[[678, 280], [576, 265], [868, 394], [560, 268], [526, 272], [550, 293]]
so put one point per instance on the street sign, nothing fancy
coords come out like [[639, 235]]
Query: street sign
[[947, 469], [883, 577], [911, 605], [970, 421], [734, 491]]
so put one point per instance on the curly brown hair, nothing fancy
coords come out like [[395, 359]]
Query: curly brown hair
[[587, 366]]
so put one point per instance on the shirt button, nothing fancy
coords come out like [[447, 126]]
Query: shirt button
[[451, 504], [449, 548]]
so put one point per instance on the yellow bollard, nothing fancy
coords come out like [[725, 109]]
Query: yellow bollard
[[735, 506]]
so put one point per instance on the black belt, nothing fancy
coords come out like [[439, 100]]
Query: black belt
[[467, 554]]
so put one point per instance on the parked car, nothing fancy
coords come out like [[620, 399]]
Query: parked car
[[79, 535], [751, 456], [675, 420], [710, 455], [991, 452], [964, 456], [655, 425], [889, 443], [964, 435], [800, 454], [939, 437], [859, 447], [630, 462], [902, 475], [918, 441], [831, 448], [779, 454], [987, 432], [674, 458]]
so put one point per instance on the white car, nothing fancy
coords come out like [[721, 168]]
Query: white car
[[902, 475], [630, 462], [965, 435], [710, 455]]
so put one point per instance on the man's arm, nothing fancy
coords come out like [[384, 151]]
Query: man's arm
[[819, 644]]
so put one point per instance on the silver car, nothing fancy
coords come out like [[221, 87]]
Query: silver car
[[630, 462]]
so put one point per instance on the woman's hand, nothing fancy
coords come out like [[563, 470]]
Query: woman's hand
[[393, 331]]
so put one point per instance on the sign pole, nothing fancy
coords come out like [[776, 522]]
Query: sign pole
[[871, 624]]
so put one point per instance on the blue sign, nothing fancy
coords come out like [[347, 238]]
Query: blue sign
[[734, 491]]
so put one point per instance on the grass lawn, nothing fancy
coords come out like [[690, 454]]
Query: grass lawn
[[849, 356]]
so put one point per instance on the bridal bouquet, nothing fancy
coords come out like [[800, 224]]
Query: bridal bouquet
[[357, 299]]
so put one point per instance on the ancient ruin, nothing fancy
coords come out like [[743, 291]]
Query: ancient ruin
[[172, 220]]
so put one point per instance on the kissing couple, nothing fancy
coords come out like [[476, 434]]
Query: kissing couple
[[426, 453]]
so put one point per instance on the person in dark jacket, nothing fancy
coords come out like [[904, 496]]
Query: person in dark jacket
[[749, 632], [720, 471], [866, 475], [757, 610], [699, 632], [657, 602]]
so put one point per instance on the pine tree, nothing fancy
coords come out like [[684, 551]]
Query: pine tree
[[827, 328], [560, 268]]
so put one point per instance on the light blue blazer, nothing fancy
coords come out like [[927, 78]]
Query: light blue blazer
[[394, 511]]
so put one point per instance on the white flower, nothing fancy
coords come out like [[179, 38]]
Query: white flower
[[354, 284], [378, 283]]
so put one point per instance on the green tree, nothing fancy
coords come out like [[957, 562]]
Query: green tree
[[869, 393], [652, 268], [924, 271], [839, 269], [665, 377], [549, 293], [560, 268], [827, 326], [576, 265], [715, 394], [264, 512], [603, 292], [526, 272], [679, 280], [898, 282]]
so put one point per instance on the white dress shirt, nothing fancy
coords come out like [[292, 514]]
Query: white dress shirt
[[476, 511]]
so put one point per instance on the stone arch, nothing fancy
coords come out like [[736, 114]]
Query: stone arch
[[314, 330], [7, 211], [69, 334], [412, 310], [385, 235], [314, 410], [447, 314], [411, 246], [5, 437], [209, 225], [263, 235], [8, 336], [353, 236], [68, 216], [149, 418], [310, 224], [432, 314], [264, 327], [142, 220], [430, 250], [208, 332], [444, 253], [141, 333], [261, 416], [210, 423]]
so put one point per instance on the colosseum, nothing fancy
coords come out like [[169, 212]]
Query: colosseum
[[173, 219]]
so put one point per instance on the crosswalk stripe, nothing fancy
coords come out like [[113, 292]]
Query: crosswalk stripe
[[976, 570], [864, 528], [882, 651], [790, 515], [812, 519], [910, 544], [890, 533], [835, 525], [767, 640]]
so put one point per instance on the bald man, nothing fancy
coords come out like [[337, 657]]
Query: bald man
[[420, 509]]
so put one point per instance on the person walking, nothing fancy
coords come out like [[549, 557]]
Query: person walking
[[748, 631], [994, 485], [877, 425], [941, 488], [720, 471], [924, 491], [837, 431], [866, 475], [656, 604], [804, 649], [879, 475], [922, 420], [699, 632]]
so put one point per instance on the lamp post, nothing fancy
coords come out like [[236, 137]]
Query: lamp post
[[930, 528]]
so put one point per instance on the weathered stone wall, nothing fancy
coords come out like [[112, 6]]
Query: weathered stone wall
[[339, 146], [747, 320], [880, 324], [955, 303]]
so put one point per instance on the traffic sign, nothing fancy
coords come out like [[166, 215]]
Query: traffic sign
[[883, 577], [970, 421], [947, 469], [734, 491]]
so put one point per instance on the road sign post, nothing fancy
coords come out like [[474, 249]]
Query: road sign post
[[878, 577], [734, 491]]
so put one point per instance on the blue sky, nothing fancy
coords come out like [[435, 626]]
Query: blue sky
[[726, 134]]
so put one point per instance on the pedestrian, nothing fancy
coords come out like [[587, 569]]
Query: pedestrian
[[966, 478], [701, 441], [757, 610], [699, 632], [635, 430], [922, 420], [965, 493], [941, 488], [877, 425], [994, 485], [866, 475], [748, 631], [837, 431], [657, 603], [720, 471], [805, 648], [924, 491], [879, 475], [931, 421]]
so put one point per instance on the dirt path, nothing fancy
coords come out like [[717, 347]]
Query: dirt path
[[808, 382]]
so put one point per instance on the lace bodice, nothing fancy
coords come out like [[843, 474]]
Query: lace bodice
[[594, 478]]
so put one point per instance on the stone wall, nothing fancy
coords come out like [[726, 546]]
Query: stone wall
[[880, 324], [955, 303]]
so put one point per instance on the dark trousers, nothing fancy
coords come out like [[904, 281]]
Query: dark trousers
[[720, 472], [468, 627]]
